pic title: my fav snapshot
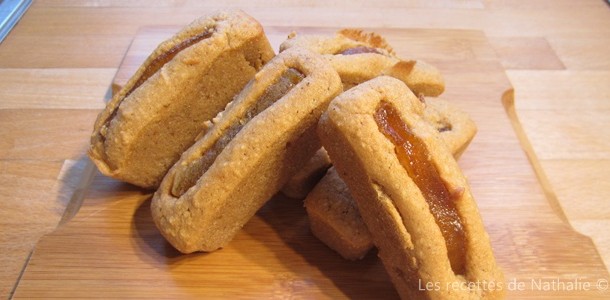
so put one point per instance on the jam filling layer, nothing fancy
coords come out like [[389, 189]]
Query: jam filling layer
[[187, 175], [415, 158]]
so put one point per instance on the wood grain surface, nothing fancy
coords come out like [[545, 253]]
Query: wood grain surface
[[57, 64], [111, 248]]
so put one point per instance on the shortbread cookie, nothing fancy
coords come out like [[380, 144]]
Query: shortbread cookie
[[262, 138], [359, 56], [410, 192], [187, 80]]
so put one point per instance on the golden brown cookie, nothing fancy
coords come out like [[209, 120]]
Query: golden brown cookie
[[262, 138], [333, 214], [410, 192], [187, 80], [359, 56]]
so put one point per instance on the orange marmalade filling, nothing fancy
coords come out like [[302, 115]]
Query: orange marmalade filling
[[415, 158]]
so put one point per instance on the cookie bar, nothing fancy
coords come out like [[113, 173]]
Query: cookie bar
[[187, 80], [410, 192], [333, 215], [252, 148]]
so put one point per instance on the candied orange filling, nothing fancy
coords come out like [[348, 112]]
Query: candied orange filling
[[415, 158]]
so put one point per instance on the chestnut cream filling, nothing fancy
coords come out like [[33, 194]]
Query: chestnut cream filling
[[187, 175], [415, 158], [154, 66]]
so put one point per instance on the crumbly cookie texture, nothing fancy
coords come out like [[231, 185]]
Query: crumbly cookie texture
[[333, 214], [254, 165], [375, 57], [155, 117], [411, 245]]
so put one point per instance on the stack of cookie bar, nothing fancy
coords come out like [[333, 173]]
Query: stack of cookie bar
[[217, 123]]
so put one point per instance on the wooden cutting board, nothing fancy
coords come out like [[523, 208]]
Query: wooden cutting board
[[111, 248]]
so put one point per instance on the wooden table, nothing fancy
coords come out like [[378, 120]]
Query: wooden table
[[57, 65]]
